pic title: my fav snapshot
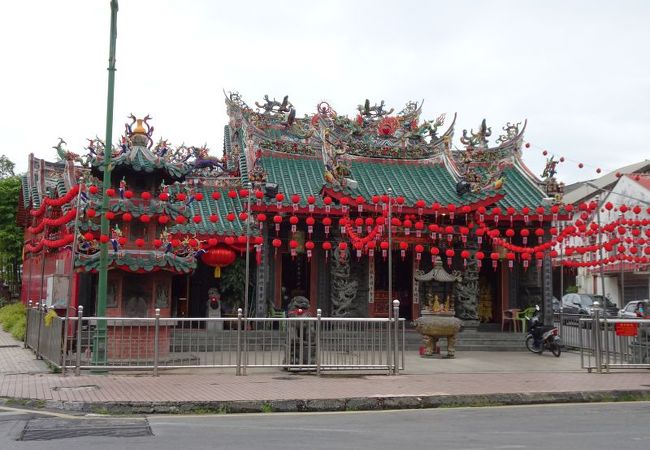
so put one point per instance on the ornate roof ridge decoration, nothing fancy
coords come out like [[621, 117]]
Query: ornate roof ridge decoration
[[137, 150], [481, 166]]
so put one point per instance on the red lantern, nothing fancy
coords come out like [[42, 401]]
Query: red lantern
[[277, 220], [122, 241], [214, 218], [327, 201], [128, 194], [93, 189], [198, 196], [279, 197], [481, 214], [276, 243], [479, 258], [495, 260], [539, 232], [197, 219], [110, 192], [164, 196], [407, 226], [145, 218], [293, 245], [465, 254], [180, 220], [524, 232], [181, 197], [218, 257], [343, 246], [327, 222], [243, 216], [327, 246], [525, 211], [451, 208], [216, 195], [293, 220], [418, 252], [126, 217], [157, 243], [139, 242], [510, 256], [103, 239], [449, 253], [384, 249], [89, 236], [310, 221], [435, 251], [163, 219], [110, 215], [495, 214], [309, 246]]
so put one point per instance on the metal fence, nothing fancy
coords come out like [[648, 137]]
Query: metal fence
[[297, 343], [607, 343], [46, 339]]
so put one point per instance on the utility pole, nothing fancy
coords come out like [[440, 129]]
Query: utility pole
[[99, 347]]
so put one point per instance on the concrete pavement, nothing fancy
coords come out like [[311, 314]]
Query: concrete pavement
[[473, 378]]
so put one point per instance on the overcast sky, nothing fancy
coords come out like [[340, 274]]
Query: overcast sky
[[577, 70]]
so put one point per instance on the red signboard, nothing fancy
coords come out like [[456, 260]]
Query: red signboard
[[626, 329]]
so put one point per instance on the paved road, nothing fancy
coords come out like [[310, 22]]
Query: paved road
[[588, 426]]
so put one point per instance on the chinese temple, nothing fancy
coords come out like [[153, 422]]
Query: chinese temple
[[323, 205]]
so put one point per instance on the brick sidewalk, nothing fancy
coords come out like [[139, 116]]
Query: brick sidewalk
[[14, 359], [468, 375]]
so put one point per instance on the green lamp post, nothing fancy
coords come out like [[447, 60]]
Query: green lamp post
[[99, 344]]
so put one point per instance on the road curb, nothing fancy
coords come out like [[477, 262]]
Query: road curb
[[374, 403]]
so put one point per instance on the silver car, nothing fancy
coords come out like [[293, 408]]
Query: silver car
[[635, 309]]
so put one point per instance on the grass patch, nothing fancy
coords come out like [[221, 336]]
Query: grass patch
[[266, 408], [13, 318]]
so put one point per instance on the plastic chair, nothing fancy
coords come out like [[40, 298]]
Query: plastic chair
[[277, 314], [524, 316], [510, 315]]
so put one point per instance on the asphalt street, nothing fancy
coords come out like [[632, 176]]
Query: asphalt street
[[574, 426]]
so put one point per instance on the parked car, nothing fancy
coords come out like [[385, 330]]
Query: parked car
[[635, 309], [582, 304]]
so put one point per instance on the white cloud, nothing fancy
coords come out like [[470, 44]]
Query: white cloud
[[576, 70]]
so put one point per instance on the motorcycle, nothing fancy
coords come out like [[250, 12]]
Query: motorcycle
[[548, 336]]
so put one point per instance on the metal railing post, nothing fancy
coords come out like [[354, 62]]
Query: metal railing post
[[156, 345], [595, 329], [318, 345], [29, 308], [239, 320], [395, 340], [39, 308], [80, 316]]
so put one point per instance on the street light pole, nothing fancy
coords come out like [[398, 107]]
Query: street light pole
[[99, 350], [390, 253]]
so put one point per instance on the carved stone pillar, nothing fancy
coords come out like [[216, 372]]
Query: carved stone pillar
[[466, 304]]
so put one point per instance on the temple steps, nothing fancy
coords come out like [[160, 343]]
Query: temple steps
[[472, 340]]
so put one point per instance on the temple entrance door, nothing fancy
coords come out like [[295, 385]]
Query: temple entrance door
[[180, 296], [296, 276], [402, 279]]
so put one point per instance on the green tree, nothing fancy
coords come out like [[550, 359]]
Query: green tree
[[6, 167], [11, 235]]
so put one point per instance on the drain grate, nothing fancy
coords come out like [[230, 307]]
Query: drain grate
[[10, 346], [47, 429]]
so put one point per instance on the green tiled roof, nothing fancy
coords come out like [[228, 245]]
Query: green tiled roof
[[302, 175], [25, 186], [415, 181], [519, 191], [141, 159]]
